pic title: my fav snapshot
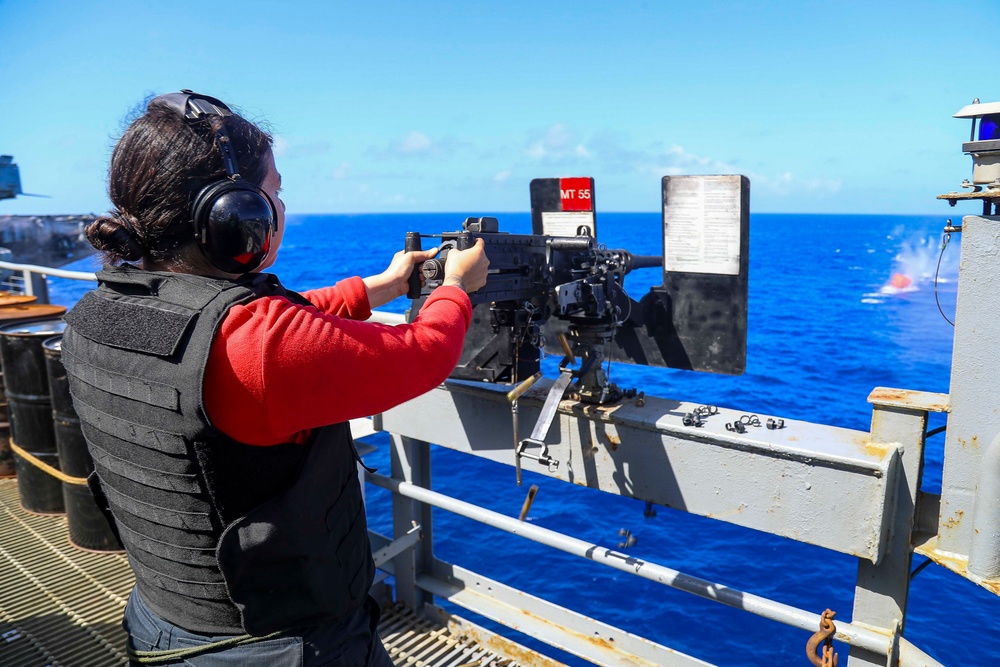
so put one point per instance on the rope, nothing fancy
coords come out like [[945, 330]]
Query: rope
[[45, 467], [169, 655]]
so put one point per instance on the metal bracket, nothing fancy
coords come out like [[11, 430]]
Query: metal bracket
[[542, 457], [407, 541], [545, 419]]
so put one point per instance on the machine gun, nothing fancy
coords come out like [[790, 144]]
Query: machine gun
[[545, 288], [534, 279]]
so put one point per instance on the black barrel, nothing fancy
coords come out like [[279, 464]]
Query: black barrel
[[88, 527], [7, 468], [17, 312], [30, 409]]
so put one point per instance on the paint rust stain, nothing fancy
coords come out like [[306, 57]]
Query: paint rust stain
[[604, 644], [603, 413], [885, 394], [918, 400], [871, 448], [953, 522]]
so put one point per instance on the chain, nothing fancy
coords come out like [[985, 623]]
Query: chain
[[823, 636]]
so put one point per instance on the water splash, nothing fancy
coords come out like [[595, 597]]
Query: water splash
[[914, 266]]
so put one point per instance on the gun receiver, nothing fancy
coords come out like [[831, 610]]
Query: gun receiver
[[532, 279]]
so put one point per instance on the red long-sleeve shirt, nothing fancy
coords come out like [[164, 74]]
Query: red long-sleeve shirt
[[277, 369]]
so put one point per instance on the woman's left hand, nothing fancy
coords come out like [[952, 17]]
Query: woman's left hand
[[392, 282]]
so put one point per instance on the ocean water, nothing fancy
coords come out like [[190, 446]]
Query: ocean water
[[825, 327]]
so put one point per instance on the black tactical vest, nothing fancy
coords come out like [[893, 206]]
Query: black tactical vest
[[223, 537]]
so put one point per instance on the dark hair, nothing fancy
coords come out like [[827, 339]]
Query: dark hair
[[158, 166]]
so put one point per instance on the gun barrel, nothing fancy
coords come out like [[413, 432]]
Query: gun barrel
[[646, 261]]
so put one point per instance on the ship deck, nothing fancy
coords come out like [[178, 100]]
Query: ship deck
[[63, 606]]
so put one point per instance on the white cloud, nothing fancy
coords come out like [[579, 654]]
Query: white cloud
[[677, 160], [340, 172], [279, 146], [282, 148], [415, 143], [563, 148], [788, 183], [558, 142]]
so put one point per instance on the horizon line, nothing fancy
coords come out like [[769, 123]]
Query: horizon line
[[517, 212]]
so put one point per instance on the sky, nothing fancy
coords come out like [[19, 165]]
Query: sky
[[432, 106]]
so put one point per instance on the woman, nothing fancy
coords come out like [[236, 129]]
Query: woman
[[215, 401]]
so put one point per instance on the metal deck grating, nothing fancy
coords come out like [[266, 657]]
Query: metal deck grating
[[413, 641], [60, 605]]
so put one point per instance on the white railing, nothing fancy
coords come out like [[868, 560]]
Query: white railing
[[20, 281]]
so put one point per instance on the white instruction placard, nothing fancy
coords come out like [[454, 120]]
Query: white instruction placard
[[567, 223], [701, 224]]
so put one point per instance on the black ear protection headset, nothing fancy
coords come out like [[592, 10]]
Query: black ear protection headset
[[233, 220]]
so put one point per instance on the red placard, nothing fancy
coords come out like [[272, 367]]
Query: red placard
[[575, 195]]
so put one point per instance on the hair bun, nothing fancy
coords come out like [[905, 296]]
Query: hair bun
[[116, 237]]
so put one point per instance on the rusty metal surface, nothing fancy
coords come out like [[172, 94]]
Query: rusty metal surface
[[418, 641], [909, 399], [927, 545], [983, 194], [460, 627], [824, 638]]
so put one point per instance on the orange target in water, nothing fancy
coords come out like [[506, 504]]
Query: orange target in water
[[900, 280]]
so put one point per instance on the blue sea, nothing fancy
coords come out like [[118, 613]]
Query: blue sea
[[825, 327]]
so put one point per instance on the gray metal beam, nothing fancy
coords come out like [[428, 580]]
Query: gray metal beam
[[899, 418], [779, 481], [567, 630], [410, 461]]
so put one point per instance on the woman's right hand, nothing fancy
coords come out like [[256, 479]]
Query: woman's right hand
[[467, 269]]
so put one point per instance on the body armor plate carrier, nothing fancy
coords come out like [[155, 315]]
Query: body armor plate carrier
[[223, 537]]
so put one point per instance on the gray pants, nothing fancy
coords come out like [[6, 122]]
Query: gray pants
[[350, 642]]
